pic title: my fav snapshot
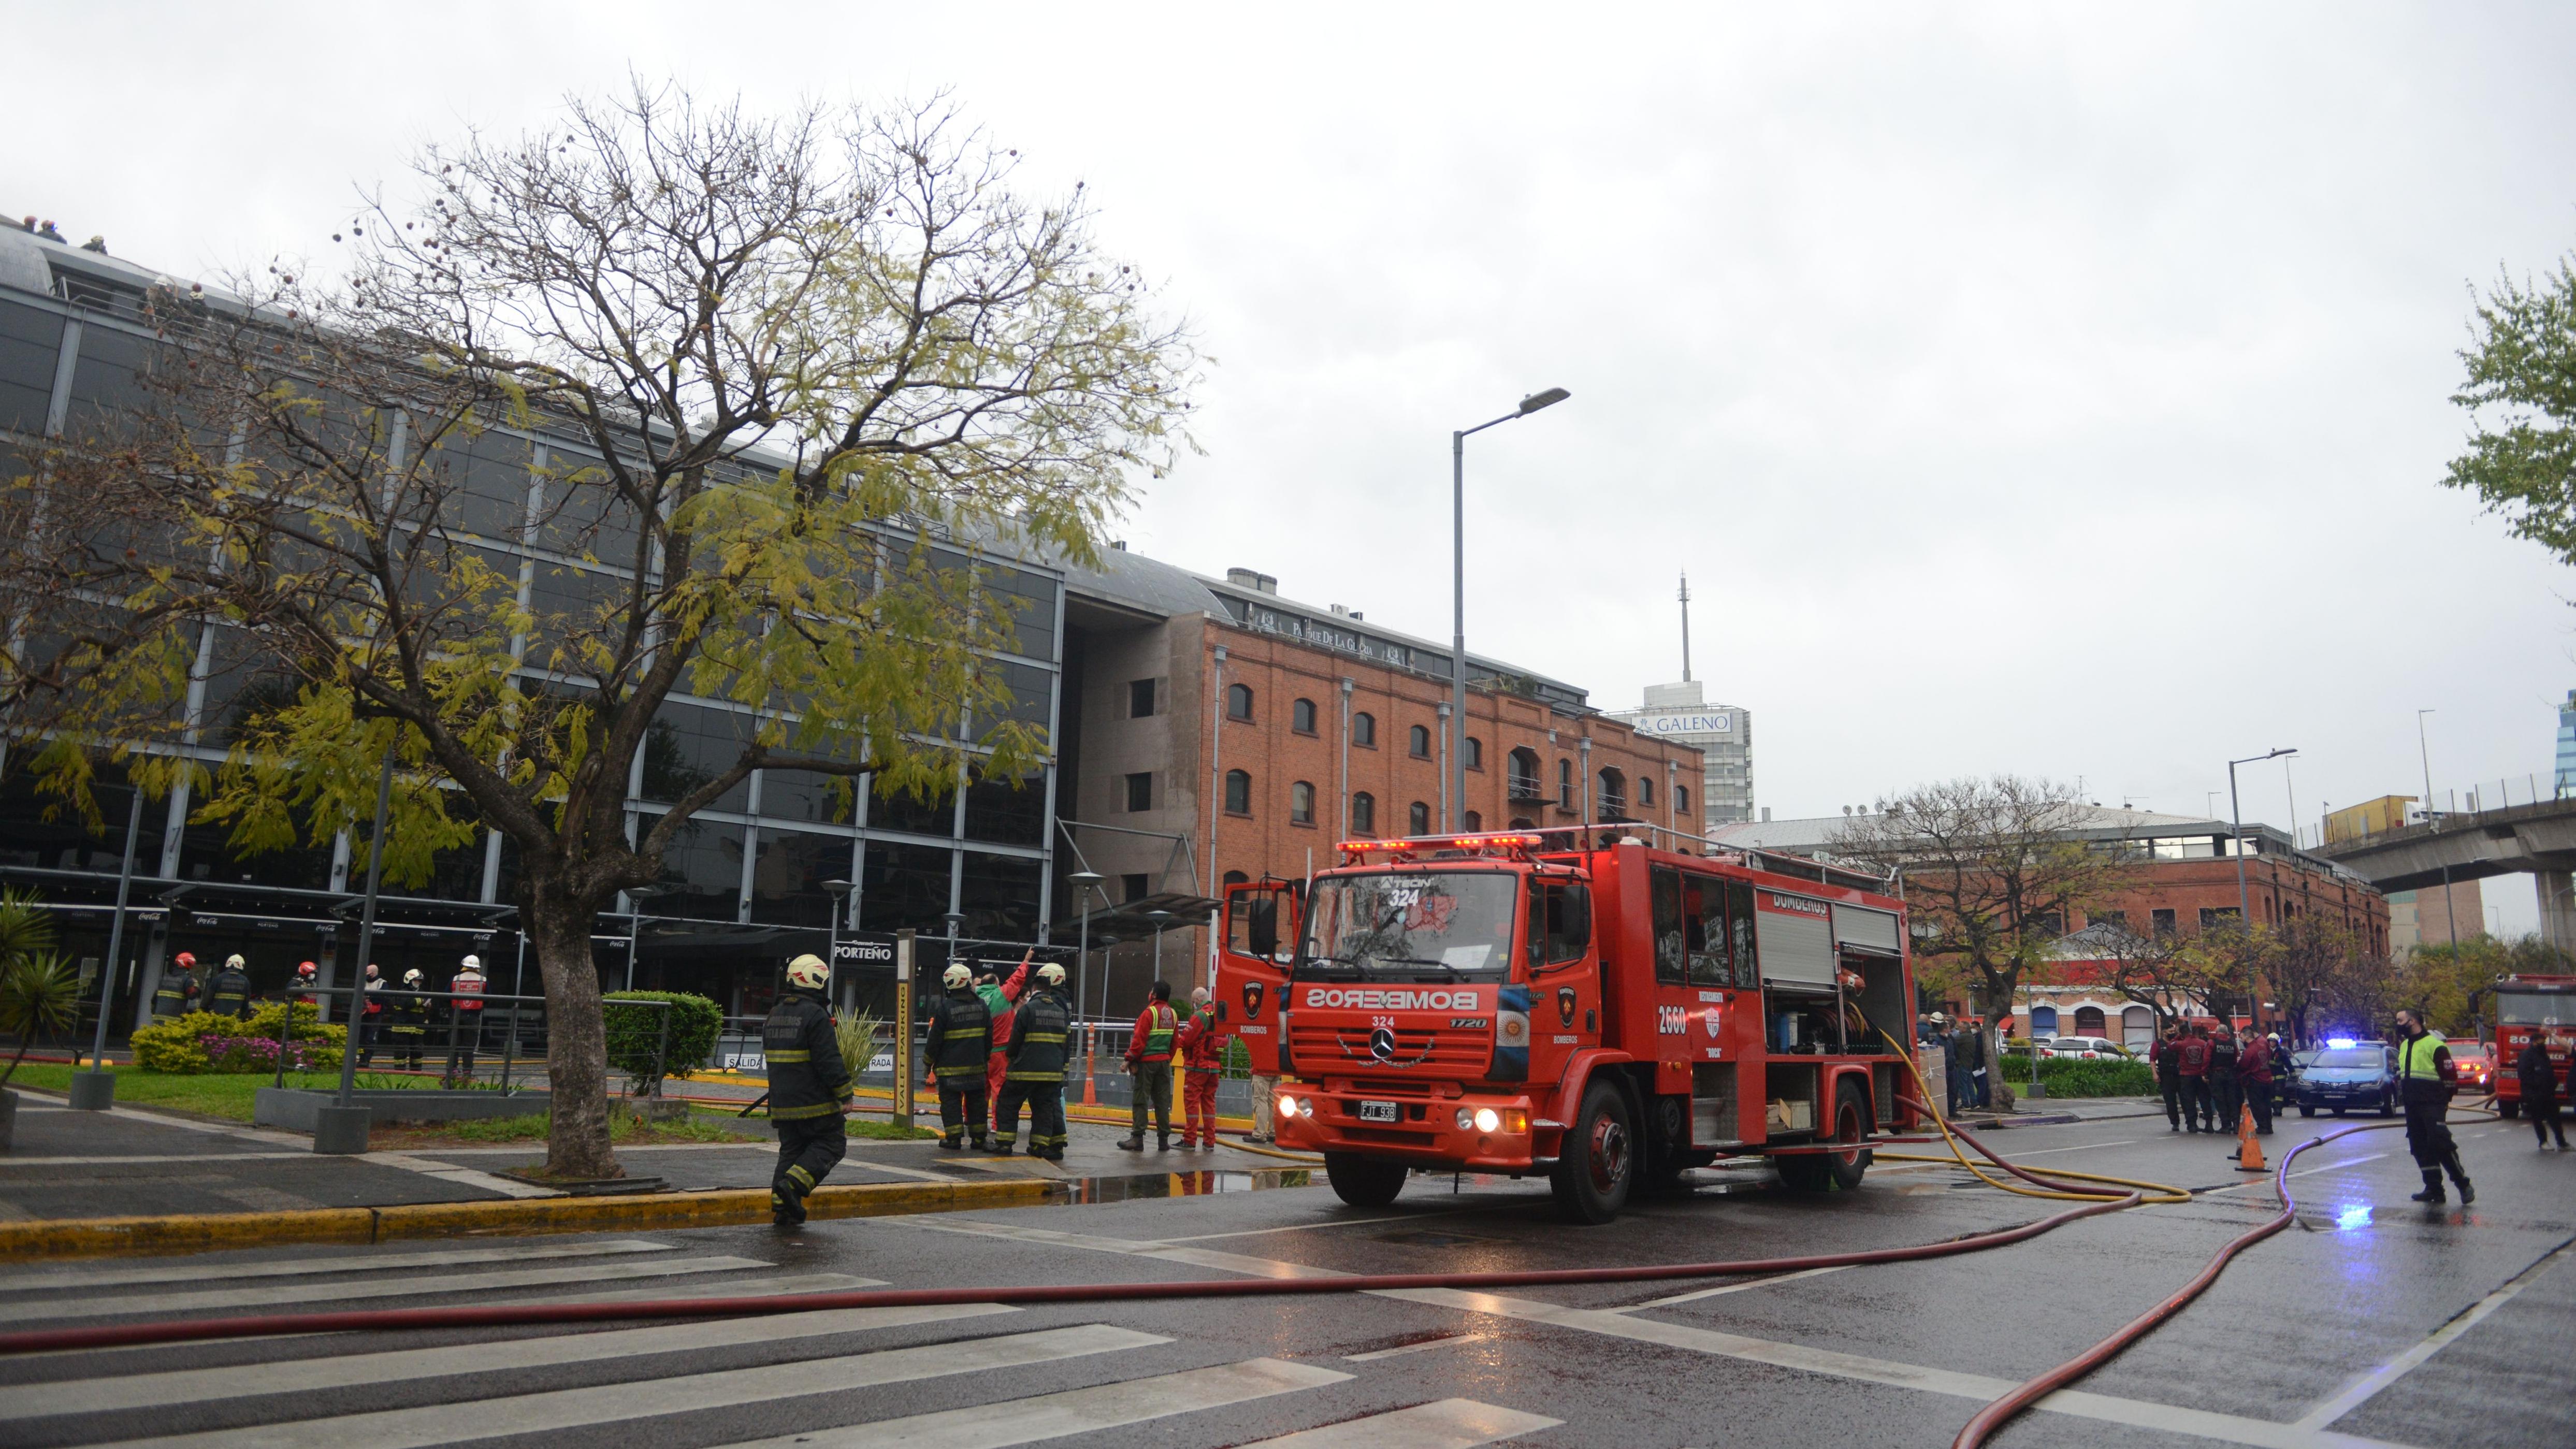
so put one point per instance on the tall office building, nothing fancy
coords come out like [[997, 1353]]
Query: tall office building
[[2564, 780], [1723, 734]]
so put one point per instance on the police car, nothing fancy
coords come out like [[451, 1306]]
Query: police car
[[2347, 1076]]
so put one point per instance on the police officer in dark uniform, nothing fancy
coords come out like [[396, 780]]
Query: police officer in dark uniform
[[808, 1083], [229, 993], [961, 1039], [407, 1021], [2425, 1076], [1038, 1051], [176, 996]]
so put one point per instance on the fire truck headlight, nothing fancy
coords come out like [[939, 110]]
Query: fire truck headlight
[[1305, 1106], [1466, 1118], [1287, 1106], [1488, 1120]]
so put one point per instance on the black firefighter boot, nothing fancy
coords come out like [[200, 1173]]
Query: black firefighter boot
[[786, 1207], [1131, 1144], [2432, 1192], [2451, 1160]]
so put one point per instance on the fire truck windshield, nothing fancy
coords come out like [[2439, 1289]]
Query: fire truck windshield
[[2534, 1008], [1411, 924]]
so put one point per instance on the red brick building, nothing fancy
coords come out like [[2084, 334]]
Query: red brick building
[[1303, 726]]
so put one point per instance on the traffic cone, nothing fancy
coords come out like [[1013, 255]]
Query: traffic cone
[[1090, 1090], [2249, 1153]]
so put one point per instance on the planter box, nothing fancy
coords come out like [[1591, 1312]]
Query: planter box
[[295, 1109]]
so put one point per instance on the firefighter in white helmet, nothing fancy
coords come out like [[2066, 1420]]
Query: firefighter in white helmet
[[464, 1019], [808, 1086], [961, 1037]]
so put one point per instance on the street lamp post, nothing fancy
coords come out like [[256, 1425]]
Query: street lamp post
[[839, 891], [2244, 897], [1458, 595]]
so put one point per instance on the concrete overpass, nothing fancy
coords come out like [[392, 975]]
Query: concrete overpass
[[2538, 839]]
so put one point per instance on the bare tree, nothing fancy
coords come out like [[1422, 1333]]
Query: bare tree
[[2159, 971], [1994, 867], [778, 384]]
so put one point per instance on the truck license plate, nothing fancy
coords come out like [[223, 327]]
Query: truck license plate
[[1380, 1112]]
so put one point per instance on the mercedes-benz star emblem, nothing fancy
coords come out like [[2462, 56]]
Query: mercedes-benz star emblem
[[1382, 1044]]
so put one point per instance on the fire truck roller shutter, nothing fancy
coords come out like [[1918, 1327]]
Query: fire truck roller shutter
[[1858, 928], [1794, 937]]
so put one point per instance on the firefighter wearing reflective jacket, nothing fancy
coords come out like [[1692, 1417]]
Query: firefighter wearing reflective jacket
[[464, 1019], [407, 1021], [1202, 1044], [961, 1038], [229, 993], [808, 1085], [177, 993], [1041, 1030], [2425, 1076], [1149, 1069]]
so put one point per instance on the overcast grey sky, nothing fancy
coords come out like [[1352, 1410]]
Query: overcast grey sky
[[2034, 388]]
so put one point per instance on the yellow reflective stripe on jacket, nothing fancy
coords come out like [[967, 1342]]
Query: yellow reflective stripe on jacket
[[1037, 1036], [1166, 1021], [818, 1109], [962, 1035], [799, 1055], [2414, 1063]]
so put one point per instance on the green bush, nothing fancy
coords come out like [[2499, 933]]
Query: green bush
[[635, 1042], [180, 1045], [2074, 1077]]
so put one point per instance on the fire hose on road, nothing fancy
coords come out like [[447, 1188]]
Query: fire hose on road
[[2093, 1200]]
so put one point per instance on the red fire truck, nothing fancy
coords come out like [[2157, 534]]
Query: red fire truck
[[1574, 1002], [2527, 1007]]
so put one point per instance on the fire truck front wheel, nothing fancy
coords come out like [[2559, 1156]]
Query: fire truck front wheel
[[1598, 1162], [1363, 1182]]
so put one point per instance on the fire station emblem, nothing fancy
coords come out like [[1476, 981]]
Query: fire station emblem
[[1565, 1005], [1708, 1019], [1252, 994]]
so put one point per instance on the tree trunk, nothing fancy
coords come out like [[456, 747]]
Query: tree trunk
[[576, 1037]]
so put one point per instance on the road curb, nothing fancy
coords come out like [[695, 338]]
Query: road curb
[[201, 1232]]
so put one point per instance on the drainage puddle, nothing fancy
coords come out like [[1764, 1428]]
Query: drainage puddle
[[1083, 1191]]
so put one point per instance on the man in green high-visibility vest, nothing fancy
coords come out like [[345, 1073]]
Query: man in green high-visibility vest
[[2424, 1078]]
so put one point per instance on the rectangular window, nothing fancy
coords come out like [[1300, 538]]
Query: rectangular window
[[788, 871], [1133, 887], [1671, 941], [1710, 947], [1012, 812], [1140, 791], [30, 342], [2163, 921], [2210, 917], [1140, 699]]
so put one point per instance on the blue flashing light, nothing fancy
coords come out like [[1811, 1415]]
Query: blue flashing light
[[2339, 1043]]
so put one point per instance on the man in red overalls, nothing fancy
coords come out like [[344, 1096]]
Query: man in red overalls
[[1202, 1044], [1000, 1001]]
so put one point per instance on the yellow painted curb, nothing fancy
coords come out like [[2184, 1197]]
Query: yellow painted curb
[[182, 1233], [202, 1232]]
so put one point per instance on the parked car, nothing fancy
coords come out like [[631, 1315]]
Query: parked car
[[2476, 1063], [2086, 1048], [2346, 1076]]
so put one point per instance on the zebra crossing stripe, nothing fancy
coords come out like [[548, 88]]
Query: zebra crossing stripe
[[142, 1303], [327, 1375], [1075, 1411], [728, 1288], [650, 1398], [1448, 1424], [189, 1270]]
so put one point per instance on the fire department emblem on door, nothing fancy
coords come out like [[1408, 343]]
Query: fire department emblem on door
[[1252, 994], [1565, 1005]]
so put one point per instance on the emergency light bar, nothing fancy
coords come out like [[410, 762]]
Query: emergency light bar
[[2339, 1043], [1502, 843]]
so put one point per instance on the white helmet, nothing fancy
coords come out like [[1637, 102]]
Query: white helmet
[[412, 977], [809, 972], [473, 963], [955, 976], [234, 963], [1051, 974]]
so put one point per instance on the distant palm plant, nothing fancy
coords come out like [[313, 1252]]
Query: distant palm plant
[[38, 991]]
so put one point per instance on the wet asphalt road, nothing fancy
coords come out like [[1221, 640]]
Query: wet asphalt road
[[2319, 1336]]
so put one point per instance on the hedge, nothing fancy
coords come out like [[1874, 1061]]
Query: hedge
[[2075, 1077], [636, 1045], [202, 1041]]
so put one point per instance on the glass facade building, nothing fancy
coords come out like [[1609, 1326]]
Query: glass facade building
[[741, 892]]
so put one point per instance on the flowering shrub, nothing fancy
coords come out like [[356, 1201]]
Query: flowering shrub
[[259, 1054], [202, 1041]]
